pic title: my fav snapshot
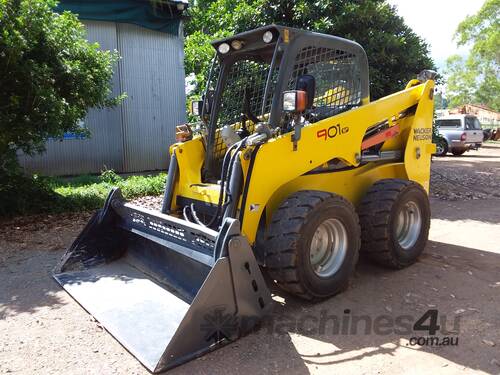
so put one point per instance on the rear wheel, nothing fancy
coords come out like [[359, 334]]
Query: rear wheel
[[457, 152], [395, 221], [312, 244]]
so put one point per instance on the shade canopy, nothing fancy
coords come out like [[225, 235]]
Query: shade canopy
[[159, 15]]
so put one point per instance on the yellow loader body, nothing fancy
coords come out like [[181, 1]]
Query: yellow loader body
[[269, 185]]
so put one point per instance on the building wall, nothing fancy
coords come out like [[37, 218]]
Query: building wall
[[485, 116], [152, 75], [136, 135]]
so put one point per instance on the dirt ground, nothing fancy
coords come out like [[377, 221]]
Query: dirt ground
[[44, 331]]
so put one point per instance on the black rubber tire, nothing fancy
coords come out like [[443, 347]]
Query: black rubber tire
[[444, 146], [377, 213], [457, 152], [288, 242]]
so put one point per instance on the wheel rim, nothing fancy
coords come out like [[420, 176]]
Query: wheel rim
[[328, 247], [408, 225], [439, 148]]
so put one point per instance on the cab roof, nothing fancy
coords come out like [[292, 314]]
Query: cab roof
[[253, 38]]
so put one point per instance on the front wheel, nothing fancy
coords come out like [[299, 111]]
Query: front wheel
[[312, 244]]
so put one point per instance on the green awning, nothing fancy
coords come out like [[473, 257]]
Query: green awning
[[165, 16]]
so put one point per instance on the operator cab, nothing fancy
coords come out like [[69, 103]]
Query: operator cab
[[251, 72]]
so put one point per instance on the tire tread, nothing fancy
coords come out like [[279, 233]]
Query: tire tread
[[374, 215], [284, 235]]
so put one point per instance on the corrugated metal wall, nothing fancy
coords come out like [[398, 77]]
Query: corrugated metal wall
[[149, 74], [136, 135]]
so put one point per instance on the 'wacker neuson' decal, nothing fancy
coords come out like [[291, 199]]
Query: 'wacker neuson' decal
[[422, 134]]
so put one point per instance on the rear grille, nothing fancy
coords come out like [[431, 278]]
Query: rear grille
[[337, 76]]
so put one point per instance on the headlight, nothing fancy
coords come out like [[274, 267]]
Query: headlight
[[223, 48], [289, 101], [237, 44], [294, 101], [196, 107], [267, 37]]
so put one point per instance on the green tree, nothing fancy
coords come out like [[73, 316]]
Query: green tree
[[395, 53], [476, 78], [461, 81], [439, 101], [49, 77]]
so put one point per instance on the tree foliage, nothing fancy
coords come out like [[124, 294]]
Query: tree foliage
[[475, 79], [395, 53], [440, 101], [49, 76], [461, 81]]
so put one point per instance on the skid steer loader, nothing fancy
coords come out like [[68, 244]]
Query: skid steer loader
[[290, 170]]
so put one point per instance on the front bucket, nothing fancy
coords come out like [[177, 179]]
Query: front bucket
[[166, 289]]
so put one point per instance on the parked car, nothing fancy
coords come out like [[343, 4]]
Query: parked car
[[461, 132]]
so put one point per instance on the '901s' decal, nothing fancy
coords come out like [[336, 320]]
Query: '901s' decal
[[332, 132]]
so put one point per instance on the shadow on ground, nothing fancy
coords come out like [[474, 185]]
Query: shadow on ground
[[342, 330], [26, 284]]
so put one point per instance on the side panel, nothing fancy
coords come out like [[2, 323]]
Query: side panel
[[277, 164], [190, 156], [419, 146], [278, 170], [351, 184]]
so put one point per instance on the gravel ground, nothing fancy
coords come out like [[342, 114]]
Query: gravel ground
[[474, 175], [44, 331]]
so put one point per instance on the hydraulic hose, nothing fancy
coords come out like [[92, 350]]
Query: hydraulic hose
[[223, 192]]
